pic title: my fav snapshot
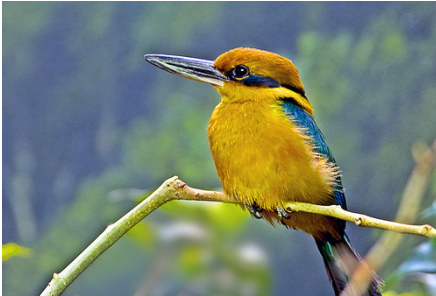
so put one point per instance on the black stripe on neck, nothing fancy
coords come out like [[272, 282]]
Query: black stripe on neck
[[296, 90]]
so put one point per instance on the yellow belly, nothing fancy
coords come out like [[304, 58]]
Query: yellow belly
[[262, 158]]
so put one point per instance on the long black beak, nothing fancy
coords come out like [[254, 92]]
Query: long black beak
[[195, 69]]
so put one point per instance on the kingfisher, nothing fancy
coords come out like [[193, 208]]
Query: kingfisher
[[268, 150]]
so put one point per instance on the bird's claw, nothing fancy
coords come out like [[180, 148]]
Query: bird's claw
[[255, 211], [281, 212]]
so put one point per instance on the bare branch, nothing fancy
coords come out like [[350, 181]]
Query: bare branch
[[362, 220]]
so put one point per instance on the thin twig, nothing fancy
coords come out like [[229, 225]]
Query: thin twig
[[105, 240], [171, 189], [361, 220]]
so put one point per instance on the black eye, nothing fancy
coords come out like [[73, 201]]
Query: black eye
[[240, 71]]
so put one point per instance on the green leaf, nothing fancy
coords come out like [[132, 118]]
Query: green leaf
[[11, 250]]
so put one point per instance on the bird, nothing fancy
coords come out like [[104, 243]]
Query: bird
[[268, 150]]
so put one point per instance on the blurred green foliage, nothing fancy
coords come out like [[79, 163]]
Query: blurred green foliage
[[84, 115]]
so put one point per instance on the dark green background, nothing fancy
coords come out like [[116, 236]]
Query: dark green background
[[84, 114]]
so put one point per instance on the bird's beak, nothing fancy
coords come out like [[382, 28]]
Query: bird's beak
[[195, 69]]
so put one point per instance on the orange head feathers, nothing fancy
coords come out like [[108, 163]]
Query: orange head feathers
[[261, 63]]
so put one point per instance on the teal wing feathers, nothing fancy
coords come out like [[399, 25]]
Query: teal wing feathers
[[305, 121]]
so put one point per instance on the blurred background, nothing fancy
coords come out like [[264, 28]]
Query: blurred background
[[88, 126]]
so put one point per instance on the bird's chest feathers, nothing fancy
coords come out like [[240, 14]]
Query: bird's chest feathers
[[260, 155]]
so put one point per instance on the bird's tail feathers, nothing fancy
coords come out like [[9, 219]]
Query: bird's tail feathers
[[341, 260]]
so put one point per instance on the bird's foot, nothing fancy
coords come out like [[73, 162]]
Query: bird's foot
[[281, 212], [255, 211]]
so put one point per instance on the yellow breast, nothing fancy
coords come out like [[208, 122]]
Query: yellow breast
[[262, 157]]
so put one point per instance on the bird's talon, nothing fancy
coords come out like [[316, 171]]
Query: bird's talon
[[257, 215], [281, 212], [255, 211]]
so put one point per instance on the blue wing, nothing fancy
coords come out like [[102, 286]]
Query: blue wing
[[308, 125]]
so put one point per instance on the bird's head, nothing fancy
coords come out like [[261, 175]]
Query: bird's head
[[241, 74]]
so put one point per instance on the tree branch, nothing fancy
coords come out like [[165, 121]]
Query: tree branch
[[175, 189], [361, 220], [171, 189]]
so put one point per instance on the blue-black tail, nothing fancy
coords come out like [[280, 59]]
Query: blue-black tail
[[340, 261]]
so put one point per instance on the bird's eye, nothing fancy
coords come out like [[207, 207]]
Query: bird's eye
[[240, 71]]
